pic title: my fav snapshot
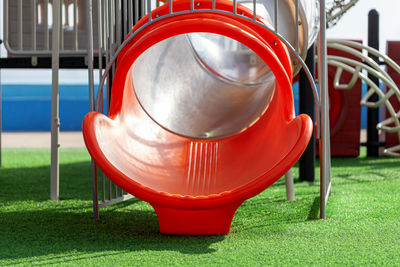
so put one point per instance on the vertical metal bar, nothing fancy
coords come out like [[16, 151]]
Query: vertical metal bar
[[55, 121], [34, 22], [325, 159], [136, 11], [235, 7], [104, 25], [109, 189], [118, 22], [170, 7], [101, 52], [112, 47], [61, 26], [100, 38], [373, 113], [115, 191], [213, 4], [276, 9], [75, 26], [289, 185], [111, 6], [5, 21], [20, 25], [101, 42], [125, 19], [131, 15], [46, 25], [306, 106], [254, 9], [142, 8], [107, 26], [149, 9], [89, 27], [191, 4], [103, 184], [106, 33]]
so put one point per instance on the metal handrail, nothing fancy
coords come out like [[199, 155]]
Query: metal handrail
[[34, 52]]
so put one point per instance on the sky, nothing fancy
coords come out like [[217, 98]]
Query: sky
[[353, 25]]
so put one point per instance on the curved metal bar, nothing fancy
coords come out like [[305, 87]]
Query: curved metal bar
[[359, 54], [378, 74], [338, 75], [340, 64], [372, 51], [287, 44], [392, 151]]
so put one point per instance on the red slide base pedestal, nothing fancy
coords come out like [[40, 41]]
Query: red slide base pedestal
[[196, 222]]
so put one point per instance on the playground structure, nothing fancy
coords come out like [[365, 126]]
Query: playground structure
[[185, 170], [111, 34]]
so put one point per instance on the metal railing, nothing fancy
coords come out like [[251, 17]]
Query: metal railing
[[28, 27], [119, 17]]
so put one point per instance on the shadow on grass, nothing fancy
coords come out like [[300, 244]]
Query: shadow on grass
[[314, 210], [29, 234]]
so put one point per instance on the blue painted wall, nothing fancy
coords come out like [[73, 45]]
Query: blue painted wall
[[28, 107]]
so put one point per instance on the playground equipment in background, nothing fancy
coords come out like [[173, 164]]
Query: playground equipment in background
[[335, 9], [355, 67], [189, 133]]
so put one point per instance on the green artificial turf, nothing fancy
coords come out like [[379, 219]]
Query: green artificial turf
[[362, 228]]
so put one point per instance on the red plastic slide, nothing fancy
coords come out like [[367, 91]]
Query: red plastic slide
[[195, 186]]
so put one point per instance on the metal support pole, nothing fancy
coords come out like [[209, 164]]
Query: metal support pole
[[20, 25], [55, 121], [324, 140], [89, 24], [306, 106], [373, 113], [289, 185]]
